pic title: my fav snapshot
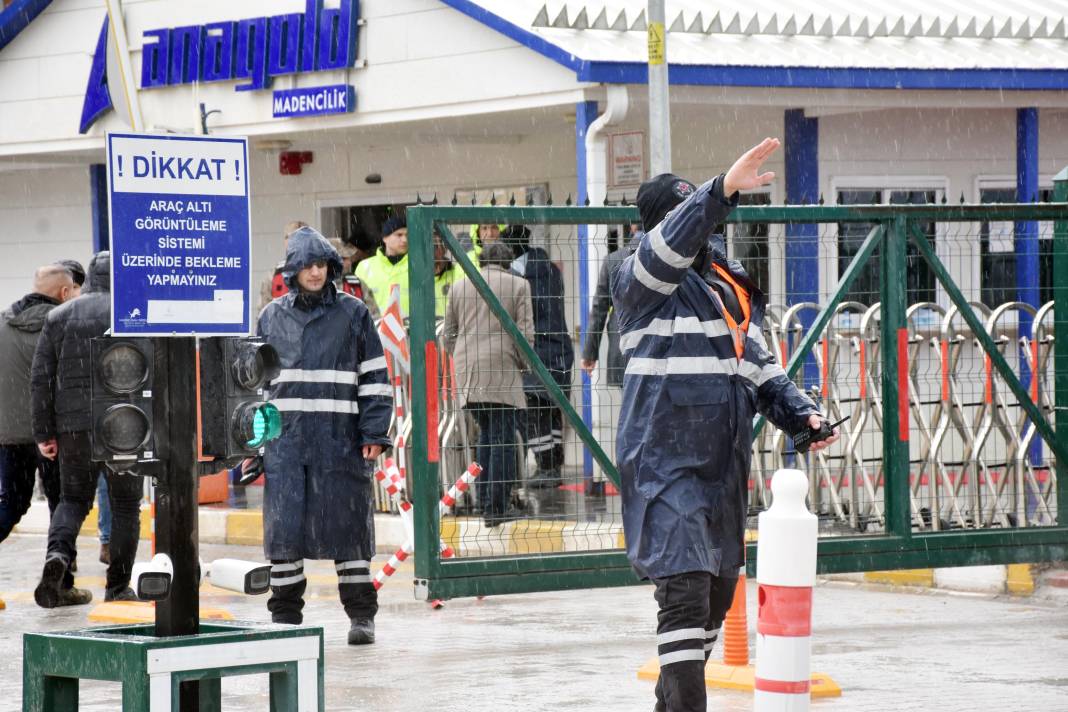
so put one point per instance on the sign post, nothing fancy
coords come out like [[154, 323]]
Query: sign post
[[179, 214], [180, 236]]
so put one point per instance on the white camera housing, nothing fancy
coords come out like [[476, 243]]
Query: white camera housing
[[151, 580], [248, 577]]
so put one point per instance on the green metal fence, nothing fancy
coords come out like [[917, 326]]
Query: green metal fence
[[900, 539]]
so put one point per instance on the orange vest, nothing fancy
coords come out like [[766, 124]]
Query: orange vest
[[738, 331]]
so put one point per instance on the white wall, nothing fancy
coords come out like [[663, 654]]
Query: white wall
[[45, 216]]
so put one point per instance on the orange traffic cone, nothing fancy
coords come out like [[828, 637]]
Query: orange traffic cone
[[736, 628]]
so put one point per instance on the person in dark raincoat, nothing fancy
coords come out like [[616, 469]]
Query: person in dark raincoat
[[552, 343], [602, 315], [335, 401], [697, 372]]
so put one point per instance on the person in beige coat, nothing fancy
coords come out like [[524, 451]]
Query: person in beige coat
[[489, 374]]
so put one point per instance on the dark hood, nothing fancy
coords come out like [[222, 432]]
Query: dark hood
[[517, 237], [99, 278], [306, 246], [28, 314]]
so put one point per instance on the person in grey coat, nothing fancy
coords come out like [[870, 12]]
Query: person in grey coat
[[20, 327], [489, 373]]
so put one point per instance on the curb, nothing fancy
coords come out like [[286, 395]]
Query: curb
[[1012, 579], [240, 527]]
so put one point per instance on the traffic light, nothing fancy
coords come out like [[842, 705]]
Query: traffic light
[[123, 373], [235, 421]]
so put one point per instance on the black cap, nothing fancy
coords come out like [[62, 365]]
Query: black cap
[[657, 196], [77, 272], [392, 224]]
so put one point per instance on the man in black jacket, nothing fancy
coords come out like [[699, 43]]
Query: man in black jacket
[[60, 405], [602, 314], [20, 328]]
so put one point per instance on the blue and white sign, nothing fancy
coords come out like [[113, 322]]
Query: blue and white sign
[[180, 235], [314, 101]]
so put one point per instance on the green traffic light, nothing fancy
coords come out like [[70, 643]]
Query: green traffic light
[[266, 425]]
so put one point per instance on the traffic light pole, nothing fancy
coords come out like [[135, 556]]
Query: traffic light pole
[[176, 505]]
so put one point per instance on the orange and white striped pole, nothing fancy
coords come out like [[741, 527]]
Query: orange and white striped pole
[[786, 573]]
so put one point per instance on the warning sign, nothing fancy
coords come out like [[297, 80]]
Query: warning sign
[[656, 42], [626, 159]]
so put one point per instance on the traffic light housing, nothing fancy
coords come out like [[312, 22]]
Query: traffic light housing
[[235, 420], [123, 377]]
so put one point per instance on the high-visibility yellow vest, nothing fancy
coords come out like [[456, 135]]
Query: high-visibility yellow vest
[[442, 283], [378, 274]]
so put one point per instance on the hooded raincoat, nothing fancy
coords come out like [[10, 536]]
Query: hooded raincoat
[[685, 430], [334, 397]]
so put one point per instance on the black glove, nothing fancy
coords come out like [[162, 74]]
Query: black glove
[[251, 469]]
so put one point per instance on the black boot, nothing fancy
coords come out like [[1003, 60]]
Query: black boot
[[362, 631], [124, 593], [47, 592], [74, 597]]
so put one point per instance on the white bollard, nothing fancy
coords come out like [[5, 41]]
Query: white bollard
[[786, 573]]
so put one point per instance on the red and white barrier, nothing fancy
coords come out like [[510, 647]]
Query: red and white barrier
[[391, 566], [401, 455], [786, 573], [461, 485], [393, 480], [408, 520]]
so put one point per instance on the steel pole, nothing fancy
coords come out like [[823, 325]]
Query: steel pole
[[659, 108], [176, 509]]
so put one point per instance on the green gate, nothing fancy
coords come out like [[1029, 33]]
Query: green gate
[[897, 531]]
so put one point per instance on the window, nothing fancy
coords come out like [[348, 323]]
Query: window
[[920, 280], [997, 253], [749, 243]]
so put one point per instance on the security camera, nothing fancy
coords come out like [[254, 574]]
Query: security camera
[[248, 577], [151, 580]]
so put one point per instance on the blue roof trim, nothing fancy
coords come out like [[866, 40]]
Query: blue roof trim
[[832, 77], [778, 77], [515, 32], [15, 17]]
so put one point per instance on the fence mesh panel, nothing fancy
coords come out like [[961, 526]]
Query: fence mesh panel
[[975, 461]]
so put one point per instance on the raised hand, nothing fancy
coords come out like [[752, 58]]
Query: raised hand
[[745, 173]]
